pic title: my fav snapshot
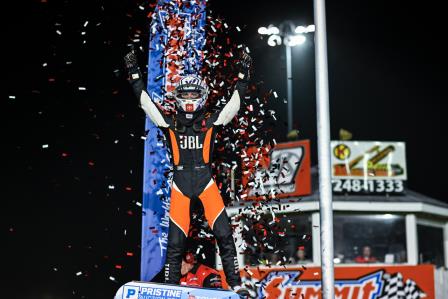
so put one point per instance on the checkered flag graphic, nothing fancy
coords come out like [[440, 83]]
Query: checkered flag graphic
[[412, 291], [395, 288]]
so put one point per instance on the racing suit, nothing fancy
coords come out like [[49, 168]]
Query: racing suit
[[202, 276], [191, 137]]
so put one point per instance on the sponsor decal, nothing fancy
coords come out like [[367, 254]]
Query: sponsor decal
[[189, 107], [189, 142], [131, 292]]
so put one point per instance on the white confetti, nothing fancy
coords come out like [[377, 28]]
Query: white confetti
[[275, 94], [138, 204], [82, 88], [12, 97], [238, 28], [45, 145], [79, 273]]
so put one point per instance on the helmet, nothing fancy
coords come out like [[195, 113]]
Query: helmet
[[191, 93], [189, 258]]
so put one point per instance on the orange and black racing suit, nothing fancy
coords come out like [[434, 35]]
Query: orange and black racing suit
[[191, 137]]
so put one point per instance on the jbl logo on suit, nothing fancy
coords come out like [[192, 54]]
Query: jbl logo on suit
[[189, 142]]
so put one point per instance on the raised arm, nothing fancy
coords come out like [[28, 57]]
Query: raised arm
[[152, 111], [233, 105], [136, 81]]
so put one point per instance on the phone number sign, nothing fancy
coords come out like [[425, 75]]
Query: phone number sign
[[368, 167]]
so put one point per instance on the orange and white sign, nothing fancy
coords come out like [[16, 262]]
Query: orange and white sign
[[278, 172]]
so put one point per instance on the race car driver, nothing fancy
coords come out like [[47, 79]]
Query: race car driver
[[197, 274], [191, 133]]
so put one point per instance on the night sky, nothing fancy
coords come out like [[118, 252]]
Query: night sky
[[72, 131]]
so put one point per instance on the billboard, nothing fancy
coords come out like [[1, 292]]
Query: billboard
[[282, 171], [355, 282], [368, 166]]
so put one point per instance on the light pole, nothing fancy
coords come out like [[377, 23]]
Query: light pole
[[291, 36]]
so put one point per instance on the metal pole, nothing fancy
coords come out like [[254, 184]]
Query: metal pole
[[324, 152], [289, 86]]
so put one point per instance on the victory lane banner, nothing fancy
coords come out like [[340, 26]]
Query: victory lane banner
[[176, 39], [368, 167]]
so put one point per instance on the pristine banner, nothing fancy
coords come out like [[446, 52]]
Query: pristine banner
[[177, 36]]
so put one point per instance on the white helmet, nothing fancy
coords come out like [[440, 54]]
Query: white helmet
[[191, 93]]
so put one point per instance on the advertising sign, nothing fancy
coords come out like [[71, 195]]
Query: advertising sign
[[368, 167], [146, 290], [363, 282], [283, 171]]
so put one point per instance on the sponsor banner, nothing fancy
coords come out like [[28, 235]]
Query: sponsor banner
[[368, 167], [363, 282], [144, 290], [177, 36], [283, 171]]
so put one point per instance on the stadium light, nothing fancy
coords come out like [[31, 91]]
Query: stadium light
[[295, 40], [270, 30], [274, 40], [290, 36], [303, 29], [263, 30]]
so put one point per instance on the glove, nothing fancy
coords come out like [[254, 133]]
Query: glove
[[130, 59], [245, 65], [131, 64]]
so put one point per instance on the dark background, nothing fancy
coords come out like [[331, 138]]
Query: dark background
[[59, 215]]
